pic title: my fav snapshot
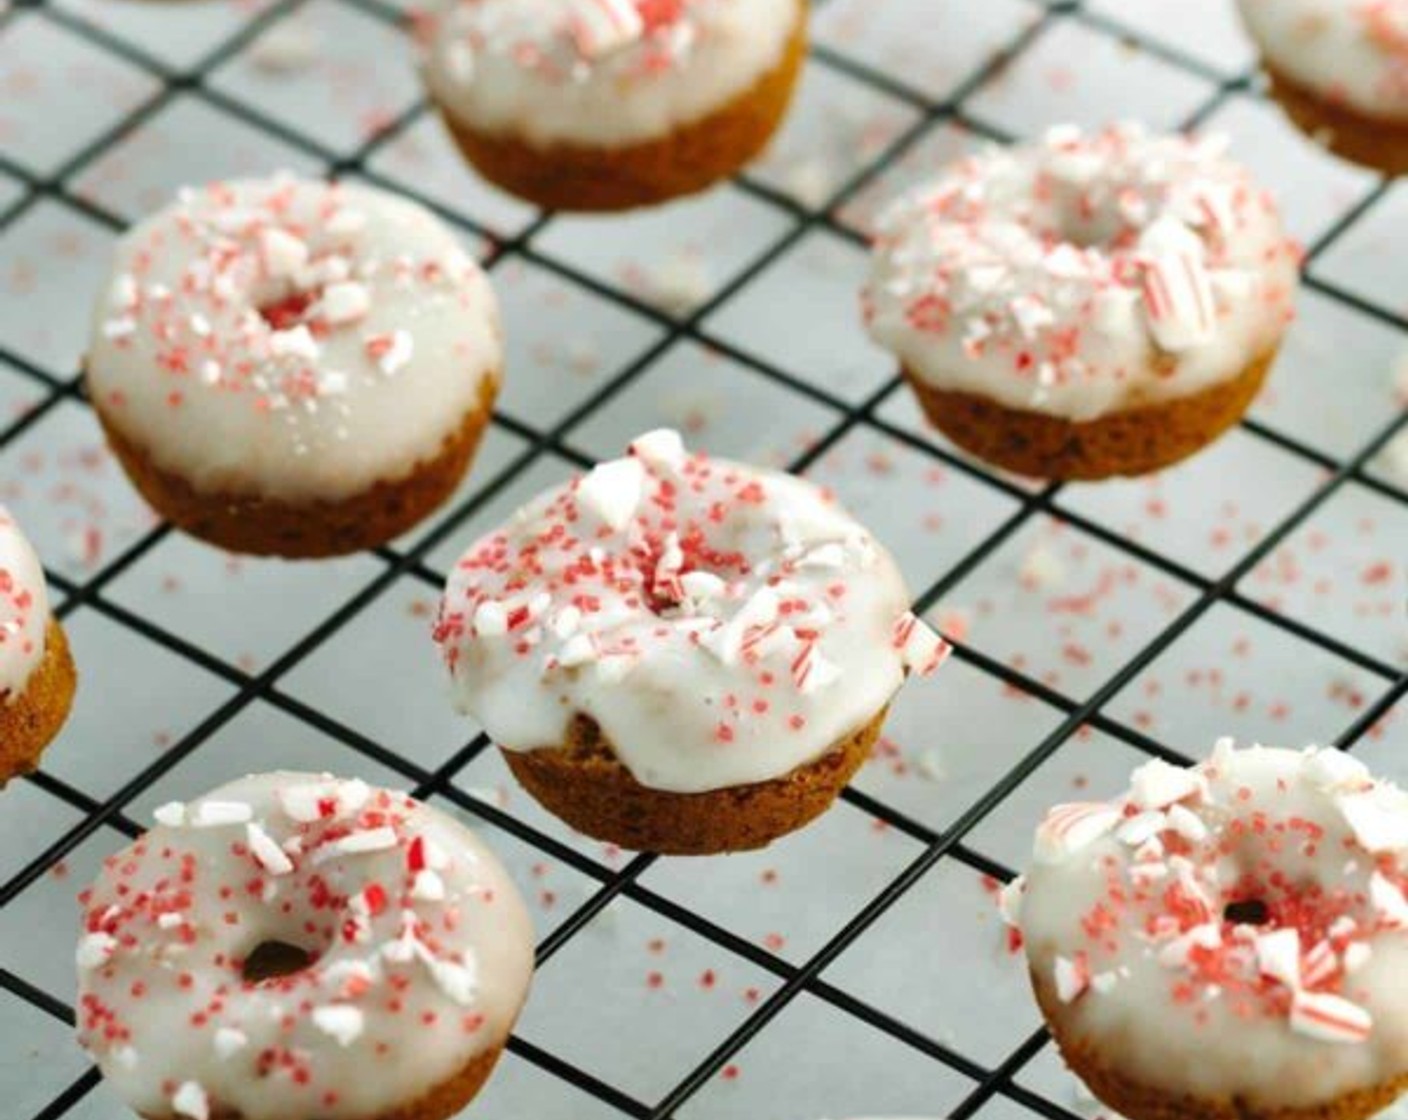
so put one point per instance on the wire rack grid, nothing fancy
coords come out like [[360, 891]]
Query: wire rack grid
[[821, 1022]]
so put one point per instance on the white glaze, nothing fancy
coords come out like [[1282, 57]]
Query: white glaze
[[515, 67], [185, 366], [779, 627], [1124, 925], [381, 1016], [24, 610], [1351, 52], [1031, 275]]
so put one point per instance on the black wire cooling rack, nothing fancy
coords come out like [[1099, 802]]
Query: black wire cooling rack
[[987, 1083]]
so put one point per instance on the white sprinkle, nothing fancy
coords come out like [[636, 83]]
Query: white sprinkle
[[190, 1100], [566, 622], [1103, 983], [1380, 827], [1009, 901], [229, 1042], [172, 814], [126, 1057], [1072, 979], [330, 799], [269, 855], [459, 982], [1278, 956], [1138, 831], [339, 1021], [1335, 771], [1031, 315], [1356, 956], [700, 587], [578, 650], [95, 950], [346, 302], [1187, 824], [124, 292], [614, 667], [114, 329], [296, 343], [170, 920], [491, 620], [661, 449], [1157, 785], [1388, 901], [613, 492], [428, 887], [286, 48], [283, 253], [364, 842], [216, 814]]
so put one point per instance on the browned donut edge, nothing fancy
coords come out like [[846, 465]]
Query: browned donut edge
[[29, 722], [563, 176], [1131, 441], [1378, 144], [585, 784], [1138, 1101], [306, 530], [439, 1103]]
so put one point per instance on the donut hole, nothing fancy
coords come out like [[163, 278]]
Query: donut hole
[[1247, 912], [288, 311], [273, 960]]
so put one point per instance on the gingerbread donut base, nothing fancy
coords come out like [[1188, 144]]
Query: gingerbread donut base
[[584, 784], [1138, 1101], [1376, 143], [307, 530], [1132, 441], [691, 158], [30, 721]]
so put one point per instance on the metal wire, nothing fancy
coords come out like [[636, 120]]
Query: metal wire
[[794, 979]]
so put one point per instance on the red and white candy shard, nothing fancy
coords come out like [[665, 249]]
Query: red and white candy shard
[[1069, 275], [723, 624], [419, 953], [292, 339], [24, 609], [1235, 912]]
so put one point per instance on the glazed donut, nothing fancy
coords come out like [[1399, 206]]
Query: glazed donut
[[609, 104], [1087, 305], [298, 947], [37, 677], [681, 654], [1228, 941], [293, 367], [1340, 69]]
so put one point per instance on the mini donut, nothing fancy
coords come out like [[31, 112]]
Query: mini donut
[[1088, 305], [613, 104], [1339, 69], [294, 368], [681, 655], [37, 678], [1228, 942], [299, 947]]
